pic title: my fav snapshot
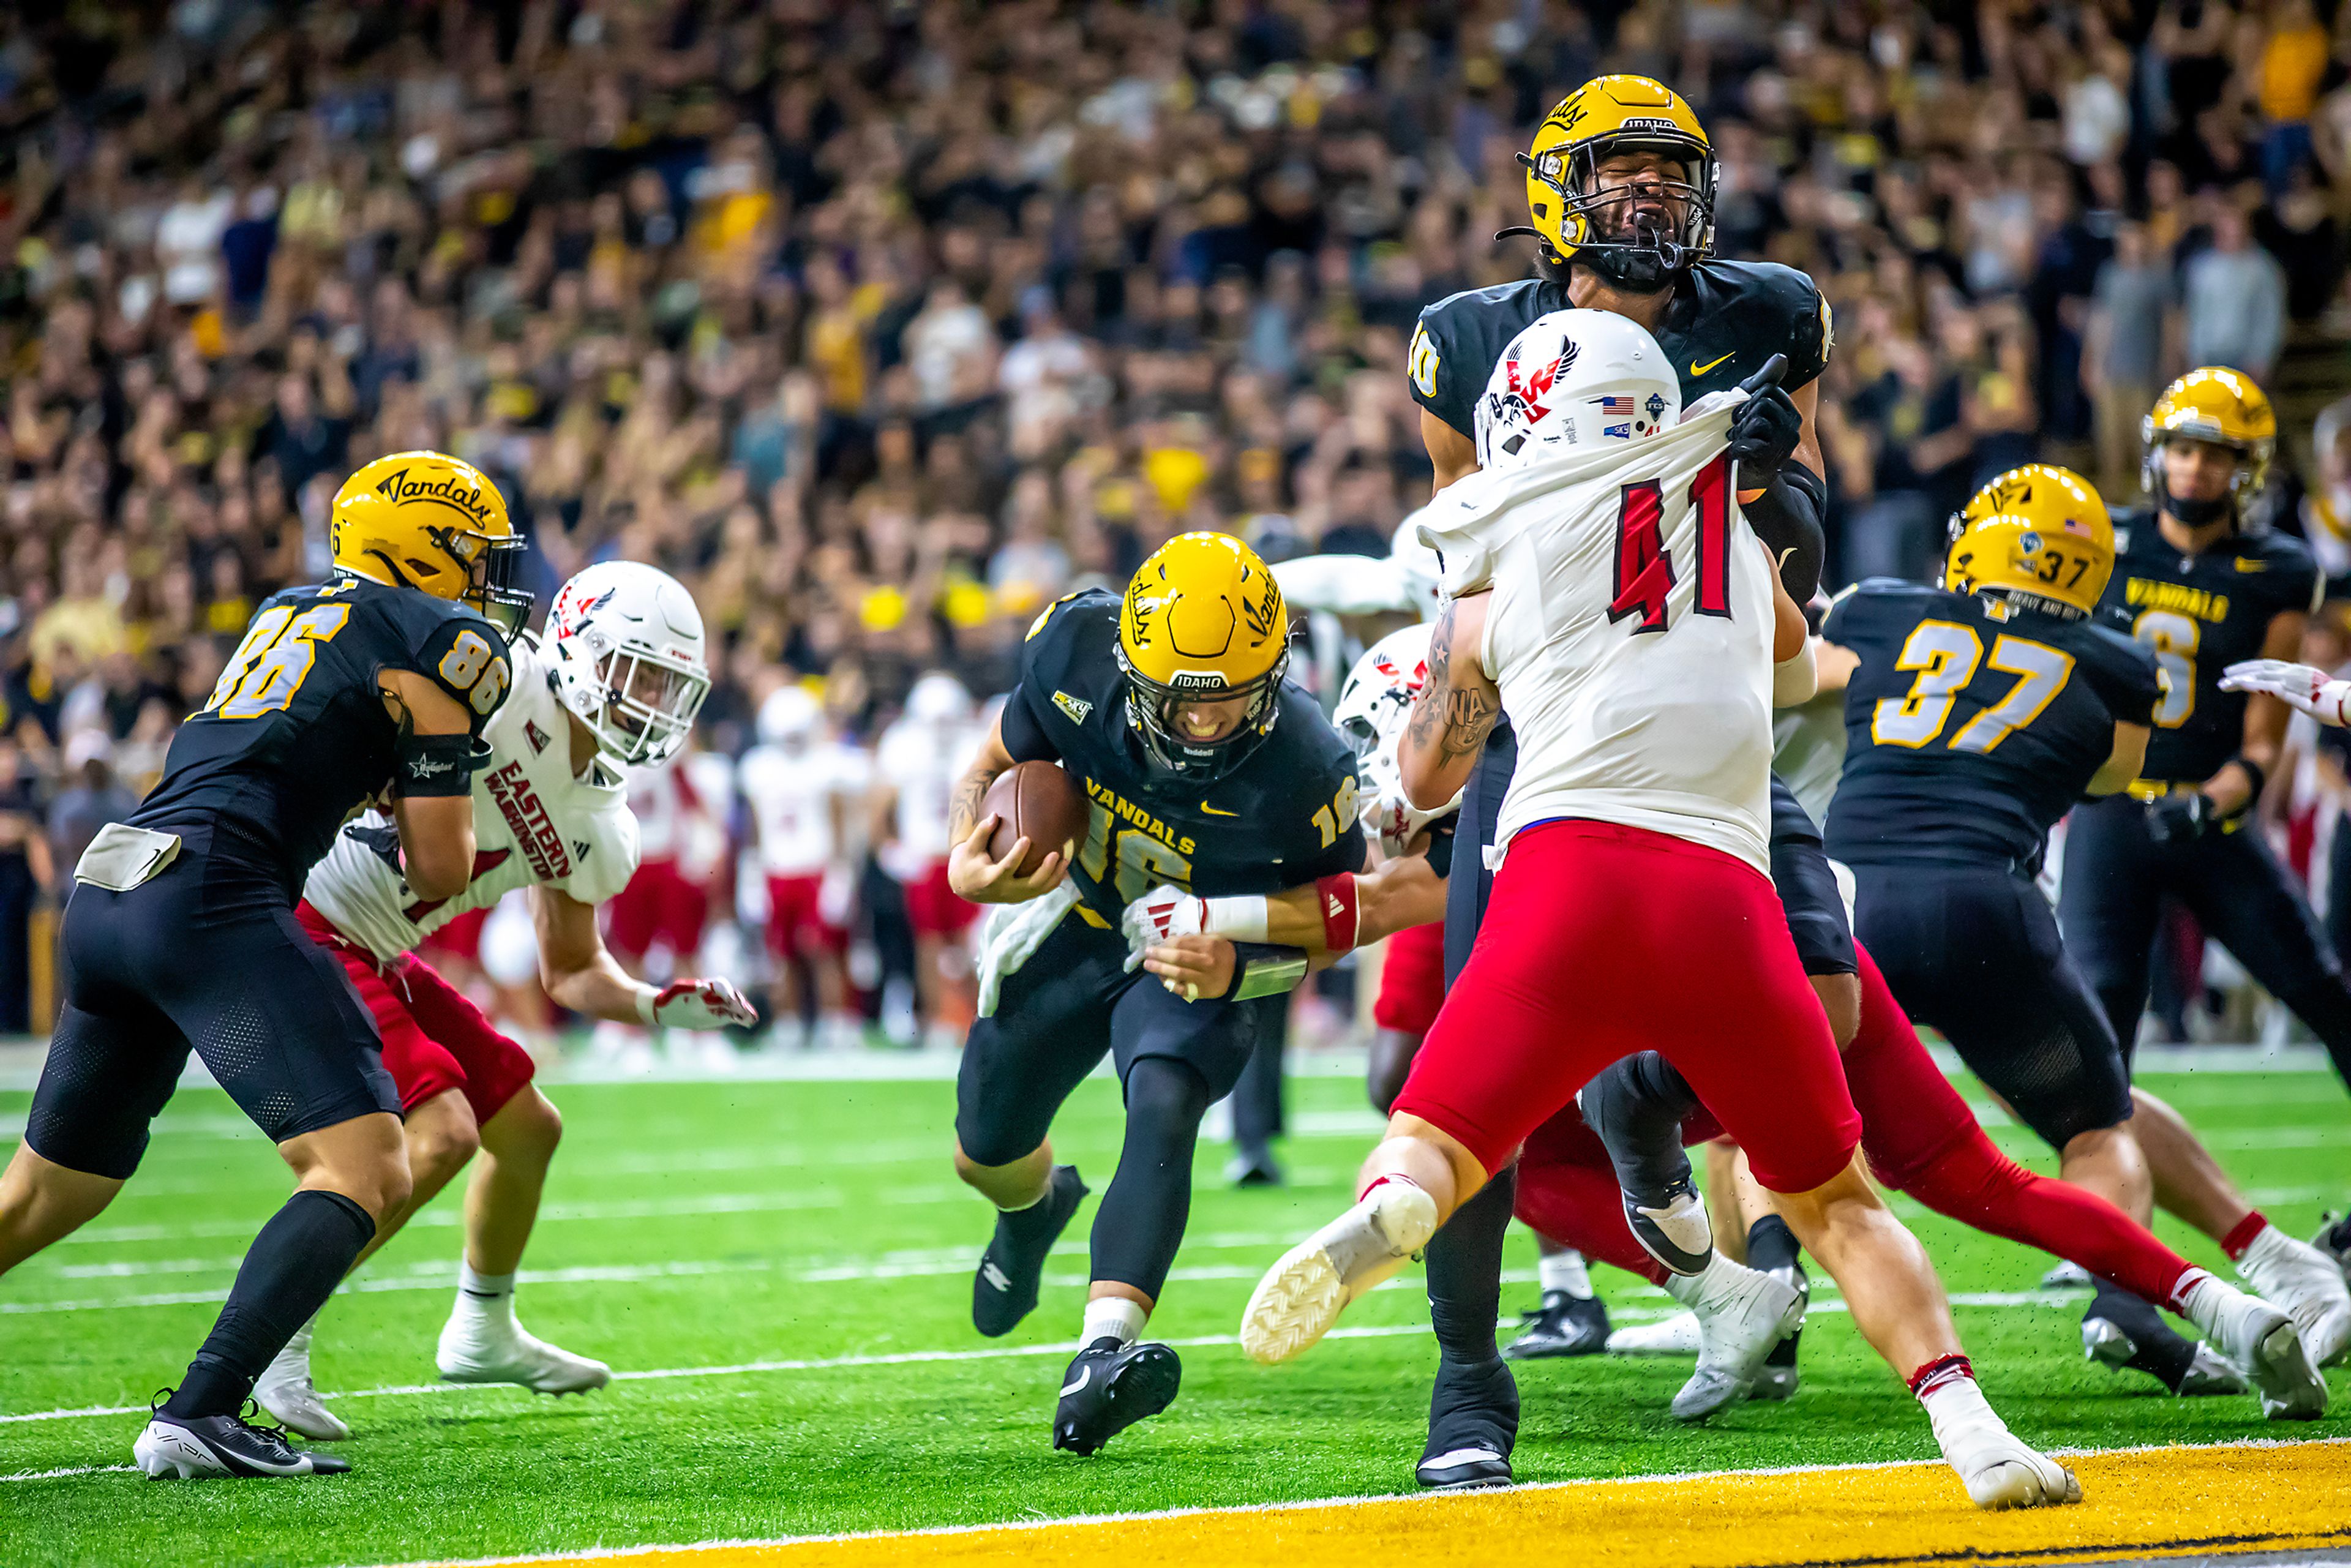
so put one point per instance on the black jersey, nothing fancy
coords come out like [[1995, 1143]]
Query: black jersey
[[294, 736], [1969, 728], [1285, 816], [2201, 613], [1725, 320]]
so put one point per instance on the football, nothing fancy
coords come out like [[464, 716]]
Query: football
[[1037, 801]]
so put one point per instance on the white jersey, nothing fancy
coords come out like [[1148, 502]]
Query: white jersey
[[533, 822], [1630, 632], [922, 762], [793, 797]]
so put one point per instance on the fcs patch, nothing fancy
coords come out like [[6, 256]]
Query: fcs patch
[[1424, 361], [1076, 707]]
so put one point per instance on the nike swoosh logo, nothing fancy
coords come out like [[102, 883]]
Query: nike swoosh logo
[[1078, 1382], [1698, 370], [2252, 566], [1214, 813]]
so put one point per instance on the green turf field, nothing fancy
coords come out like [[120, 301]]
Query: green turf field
[[781, 1272]]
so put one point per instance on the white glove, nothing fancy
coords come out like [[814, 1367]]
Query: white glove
[[2299, 686], [1162, 913], [696, 1004]]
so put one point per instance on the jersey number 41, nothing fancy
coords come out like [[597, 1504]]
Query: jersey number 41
[[1645, 568]]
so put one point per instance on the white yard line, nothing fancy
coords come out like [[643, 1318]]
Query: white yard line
[[1996, 1299]]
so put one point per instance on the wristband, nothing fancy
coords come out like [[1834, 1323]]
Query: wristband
[[1265, 971], [1336, 895], [1241, 918], [2253, 771], [436, 765]]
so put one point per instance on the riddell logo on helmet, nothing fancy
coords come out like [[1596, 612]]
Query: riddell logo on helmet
[[454, 493]]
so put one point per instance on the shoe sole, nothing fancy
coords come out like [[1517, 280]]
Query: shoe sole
[[1552, 1348], [471, 1377], [2033, 1493], [1141, 1389], [1480, 1475], [296, 1419], [1302, 1295], [2289, 1387]]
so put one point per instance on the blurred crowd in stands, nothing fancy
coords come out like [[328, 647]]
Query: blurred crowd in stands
[[881, 323]]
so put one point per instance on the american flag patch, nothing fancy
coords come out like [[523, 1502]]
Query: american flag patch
[[1612, 404]]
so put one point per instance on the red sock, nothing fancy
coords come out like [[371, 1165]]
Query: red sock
[[2244, 1234], [1975, 1183], [1942, 1373]]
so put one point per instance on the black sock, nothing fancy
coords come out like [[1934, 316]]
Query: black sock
[[2339, 1237], [288, 1272], [1770, 1244], [1465, 1271], [2160, 1352], [1141, 1221]]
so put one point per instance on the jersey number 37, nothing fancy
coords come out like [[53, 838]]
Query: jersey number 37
[[1945, 654]]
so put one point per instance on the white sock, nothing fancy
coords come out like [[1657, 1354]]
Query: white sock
[[1954, 1403], [485, 1295], [1113, 1317], [1719, 1274], [2270, 1244], [2200, 1298], [1564, 1271]]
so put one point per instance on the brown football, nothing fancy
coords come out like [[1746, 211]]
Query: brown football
[[1039, 801]]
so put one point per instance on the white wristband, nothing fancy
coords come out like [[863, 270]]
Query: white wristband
[[1240, 919], [646, 998]]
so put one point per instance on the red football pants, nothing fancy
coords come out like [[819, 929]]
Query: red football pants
[[1601, 940]]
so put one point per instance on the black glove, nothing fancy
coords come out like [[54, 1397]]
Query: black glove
[[2181, 819], [1764, 433], [383, 839]]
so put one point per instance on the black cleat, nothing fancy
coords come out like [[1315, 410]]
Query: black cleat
[[1473, 1422], [2122, 1334], [1563, 1325], [1005, 1289], [192, 1446], [2333, 1238], [1109, 1387], [1779, 1376], [1253, 1167]]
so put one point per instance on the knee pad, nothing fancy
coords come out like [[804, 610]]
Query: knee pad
[[1164, 1096]]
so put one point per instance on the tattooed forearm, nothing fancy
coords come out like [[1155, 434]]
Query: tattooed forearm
[[1468, 719], [1427, 709], [962, 807]]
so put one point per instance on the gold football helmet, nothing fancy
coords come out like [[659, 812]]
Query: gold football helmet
[[1203, 620], [2038, 534], [1605, 115], [2223, 407], [435, 523]]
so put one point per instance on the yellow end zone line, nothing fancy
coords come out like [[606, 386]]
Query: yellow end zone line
[[2258, 1494]]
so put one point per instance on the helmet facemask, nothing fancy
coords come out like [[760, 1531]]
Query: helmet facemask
[[649, 703], [1647, 258], [1150, 715], [492, 565]]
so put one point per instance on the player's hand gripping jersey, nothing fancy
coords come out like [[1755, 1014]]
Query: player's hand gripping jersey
[[295, 735], [1971, 725], [2199, 614], [534, 821], [1630, 633], [1284, 817]]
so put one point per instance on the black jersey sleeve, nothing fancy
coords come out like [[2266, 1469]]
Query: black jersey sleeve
[[1858, 616], [1457, 342], [1025, 739], [2123, 672], [2292, 580], [464, 656]]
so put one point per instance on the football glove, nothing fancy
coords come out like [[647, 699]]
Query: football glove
[[380, 839], [1764, 433], [696, 1004], [2183, 818], [1167, 913], [2299, 686]]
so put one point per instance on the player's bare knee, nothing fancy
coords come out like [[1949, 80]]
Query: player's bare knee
[[526, 1127], [1840, 999]]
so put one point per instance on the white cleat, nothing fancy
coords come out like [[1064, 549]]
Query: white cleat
[[2000, 1471], [286, 1391], [473, 1350], [1302, 1295], [1743, 1315], [2105, 1343], [2266, 1342], [2307, 1286], [2067, 1276], [1675, 1335]]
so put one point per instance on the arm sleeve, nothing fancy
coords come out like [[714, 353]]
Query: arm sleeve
[[464, 656], [1024, 736], [1787, 518]]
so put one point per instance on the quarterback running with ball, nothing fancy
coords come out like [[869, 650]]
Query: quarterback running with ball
[[614, 683]]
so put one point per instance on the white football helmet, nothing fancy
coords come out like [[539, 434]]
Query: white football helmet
[[1572, 380], [1373, 707], [790, 717], [625, 641], [938, 699]]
